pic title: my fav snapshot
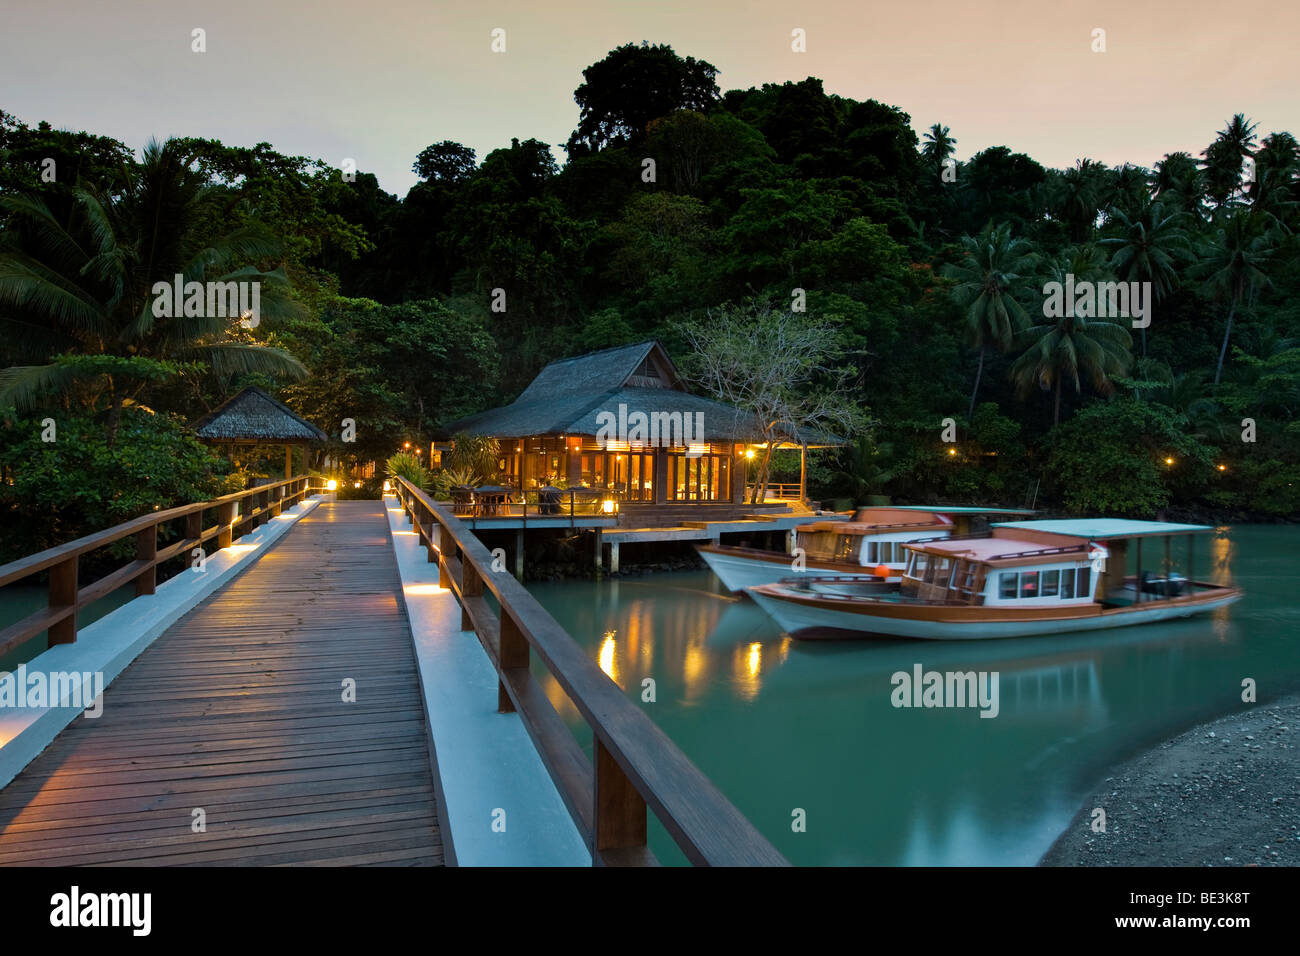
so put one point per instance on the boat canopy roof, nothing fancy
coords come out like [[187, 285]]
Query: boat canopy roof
[[962, 510], [1103, 529], [881, 520], [998, 552], [870, 528]]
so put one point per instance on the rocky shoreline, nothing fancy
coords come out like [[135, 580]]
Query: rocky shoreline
[[1226, 793]]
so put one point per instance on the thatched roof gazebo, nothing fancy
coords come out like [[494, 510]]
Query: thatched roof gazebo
[[254, 418]]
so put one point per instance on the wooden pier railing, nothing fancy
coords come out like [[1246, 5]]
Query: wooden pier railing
[[66, 593], [777, 492], [636, 766]]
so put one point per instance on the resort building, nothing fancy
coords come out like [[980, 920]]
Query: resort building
[[621, 420]]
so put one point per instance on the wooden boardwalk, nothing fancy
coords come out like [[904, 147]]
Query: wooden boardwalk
[[238, 711]]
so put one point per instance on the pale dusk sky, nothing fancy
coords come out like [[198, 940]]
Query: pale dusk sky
[[379, 81]]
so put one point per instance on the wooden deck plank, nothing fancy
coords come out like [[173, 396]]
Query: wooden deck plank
[[239, 709]]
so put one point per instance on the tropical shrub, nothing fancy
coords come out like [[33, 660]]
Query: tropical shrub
[[406, 465], [449, 478], [475, 453], [1125, 457], [55, 491]]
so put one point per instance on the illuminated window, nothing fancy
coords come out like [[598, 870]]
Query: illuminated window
[[1029, 584]]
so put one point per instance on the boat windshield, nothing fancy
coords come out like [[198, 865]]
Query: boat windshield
[[828, 545]]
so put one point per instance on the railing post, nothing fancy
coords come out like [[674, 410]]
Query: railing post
[[444, 576], [471, 585], [430, 549], [620, 810], [63, 591], [226, 522], [146, 549], [513, 653]]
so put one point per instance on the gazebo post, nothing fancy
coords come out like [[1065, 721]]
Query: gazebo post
[[288, 460]]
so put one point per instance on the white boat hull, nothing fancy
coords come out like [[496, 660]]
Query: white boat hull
[[799, 619], [739, 573]]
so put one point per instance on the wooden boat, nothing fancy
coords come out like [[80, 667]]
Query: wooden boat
[[1023, 578], [870, 542]]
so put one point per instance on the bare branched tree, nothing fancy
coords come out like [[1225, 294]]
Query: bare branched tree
[[778, 365]]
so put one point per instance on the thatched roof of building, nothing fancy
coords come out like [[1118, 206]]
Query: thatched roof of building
[[254, 416], [568, 395]]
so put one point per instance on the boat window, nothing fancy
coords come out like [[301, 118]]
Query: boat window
[[1029, 584], [886, 552], [871, 553], [963, 578], [1085, 582], [920, 562], [940, 573], [1007, 584], [844, 548], [821, 544], [1051, 583], [1067, 583]]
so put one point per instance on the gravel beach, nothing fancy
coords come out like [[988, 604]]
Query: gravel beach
[[1225, 793]]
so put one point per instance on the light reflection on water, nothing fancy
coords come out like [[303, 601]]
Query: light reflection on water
[[779, 724]]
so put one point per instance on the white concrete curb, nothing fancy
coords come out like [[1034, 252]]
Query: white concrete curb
[[485, 762], [108, 645]]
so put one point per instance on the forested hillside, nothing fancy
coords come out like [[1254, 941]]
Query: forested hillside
[[678, 198]]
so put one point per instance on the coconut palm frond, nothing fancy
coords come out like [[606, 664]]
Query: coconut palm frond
[[235, 358], [50, 231], [22, 386], [30, 286]]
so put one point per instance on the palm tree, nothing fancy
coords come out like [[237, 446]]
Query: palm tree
[[992, 274], [938, 146], [1126, 190], [1185, 393], [78, 294], [1277, 167], [1069, 348], [1177, 182], [1234, 265], [1148, 248], [1078, 197], [1223, 159]]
